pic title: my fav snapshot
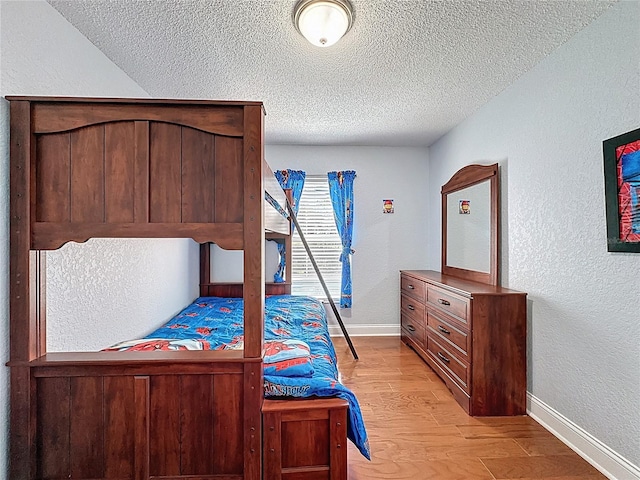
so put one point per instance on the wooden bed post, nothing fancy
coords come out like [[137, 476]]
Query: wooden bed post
[[253, 233], [205, 268], [26, 293], [253, 155]]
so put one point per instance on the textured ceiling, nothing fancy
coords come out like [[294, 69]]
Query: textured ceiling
[[406, 73]]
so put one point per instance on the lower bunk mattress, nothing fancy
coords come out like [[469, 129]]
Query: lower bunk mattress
[[300, 359]]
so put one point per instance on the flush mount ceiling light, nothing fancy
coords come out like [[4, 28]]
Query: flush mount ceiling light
[[323, 22]]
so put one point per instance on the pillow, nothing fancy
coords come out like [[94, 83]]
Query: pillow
[[287, 358], [166, 344], [278, 350]]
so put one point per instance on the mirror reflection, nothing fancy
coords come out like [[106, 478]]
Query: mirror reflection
[[469, 228], [470, 224]]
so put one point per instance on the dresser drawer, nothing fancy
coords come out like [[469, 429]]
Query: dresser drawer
[[413, 308], [448, 302], [457, 369], [414, 330], [414, 288], [458, 393], [453, 336]]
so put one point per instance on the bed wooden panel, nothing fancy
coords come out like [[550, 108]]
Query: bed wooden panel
[[111, 423], [305, 439], [93, 167], [137, 173]]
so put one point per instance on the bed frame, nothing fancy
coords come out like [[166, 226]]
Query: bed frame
[[93, 167]]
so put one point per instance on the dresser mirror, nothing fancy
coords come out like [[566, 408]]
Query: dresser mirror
[[470, 224]]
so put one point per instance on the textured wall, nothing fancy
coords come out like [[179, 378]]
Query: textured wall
[[42, 54], [384, 244], [546, 130], [108, 290]]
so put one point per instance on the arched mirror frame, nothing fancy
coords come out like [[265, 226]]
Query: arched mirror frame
[[464, 178]]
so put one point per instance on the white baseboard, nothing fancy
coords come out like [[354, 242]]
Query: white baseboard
[[392, 330], [603, 458]]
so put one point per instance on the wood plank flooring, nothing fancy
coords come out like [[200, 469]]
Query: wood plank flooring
[[417, 430]]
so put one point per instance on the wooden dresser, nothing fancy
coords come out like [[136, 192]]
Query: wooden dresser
[[473, 335]]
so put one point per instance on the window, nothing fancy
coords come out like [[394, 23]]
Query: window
[[315, 216]]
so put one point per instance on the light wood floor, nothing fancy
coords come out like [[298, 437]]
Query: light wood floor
[[417, 431]]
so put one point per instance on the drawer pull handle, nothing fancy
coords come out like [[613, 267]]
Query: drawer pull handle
[[442, 301], [443, 358], [411, 307], [444, 330], [410, 287], [411, 328]]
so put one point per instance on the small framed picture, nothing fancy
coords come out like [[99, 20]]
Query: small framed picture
[[387, 206], [465, 207]]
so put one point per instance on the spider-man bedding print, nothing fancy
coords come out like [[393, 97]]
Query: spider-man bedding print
[[296, 337]]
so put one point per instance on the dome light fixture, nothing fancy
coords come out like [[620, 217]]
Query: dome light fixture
[[323, 22]]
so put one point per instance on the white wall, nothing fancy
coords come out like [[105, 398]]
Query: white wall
[[546, 130], [384, 243], [228, 265], [42, 54]]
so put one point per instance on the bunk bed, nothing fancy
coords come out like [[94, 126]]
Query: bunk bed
[[94, 167]]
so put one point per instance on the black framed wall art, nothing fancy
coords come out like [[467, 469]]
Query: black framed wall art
[[622, 191]]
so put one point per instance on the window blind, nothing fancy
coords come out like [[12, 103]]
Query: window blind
[[315, 216]]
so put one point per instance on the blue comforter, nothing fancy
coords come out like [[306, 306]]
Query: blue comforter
[[213, 323]]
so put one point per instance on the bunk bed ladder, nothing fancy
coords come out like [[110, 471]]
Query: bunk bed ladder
[[321, 278]]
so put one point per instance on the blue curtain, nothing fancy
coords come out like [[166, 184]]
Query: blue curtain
[[293, 179], [341, 191]]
